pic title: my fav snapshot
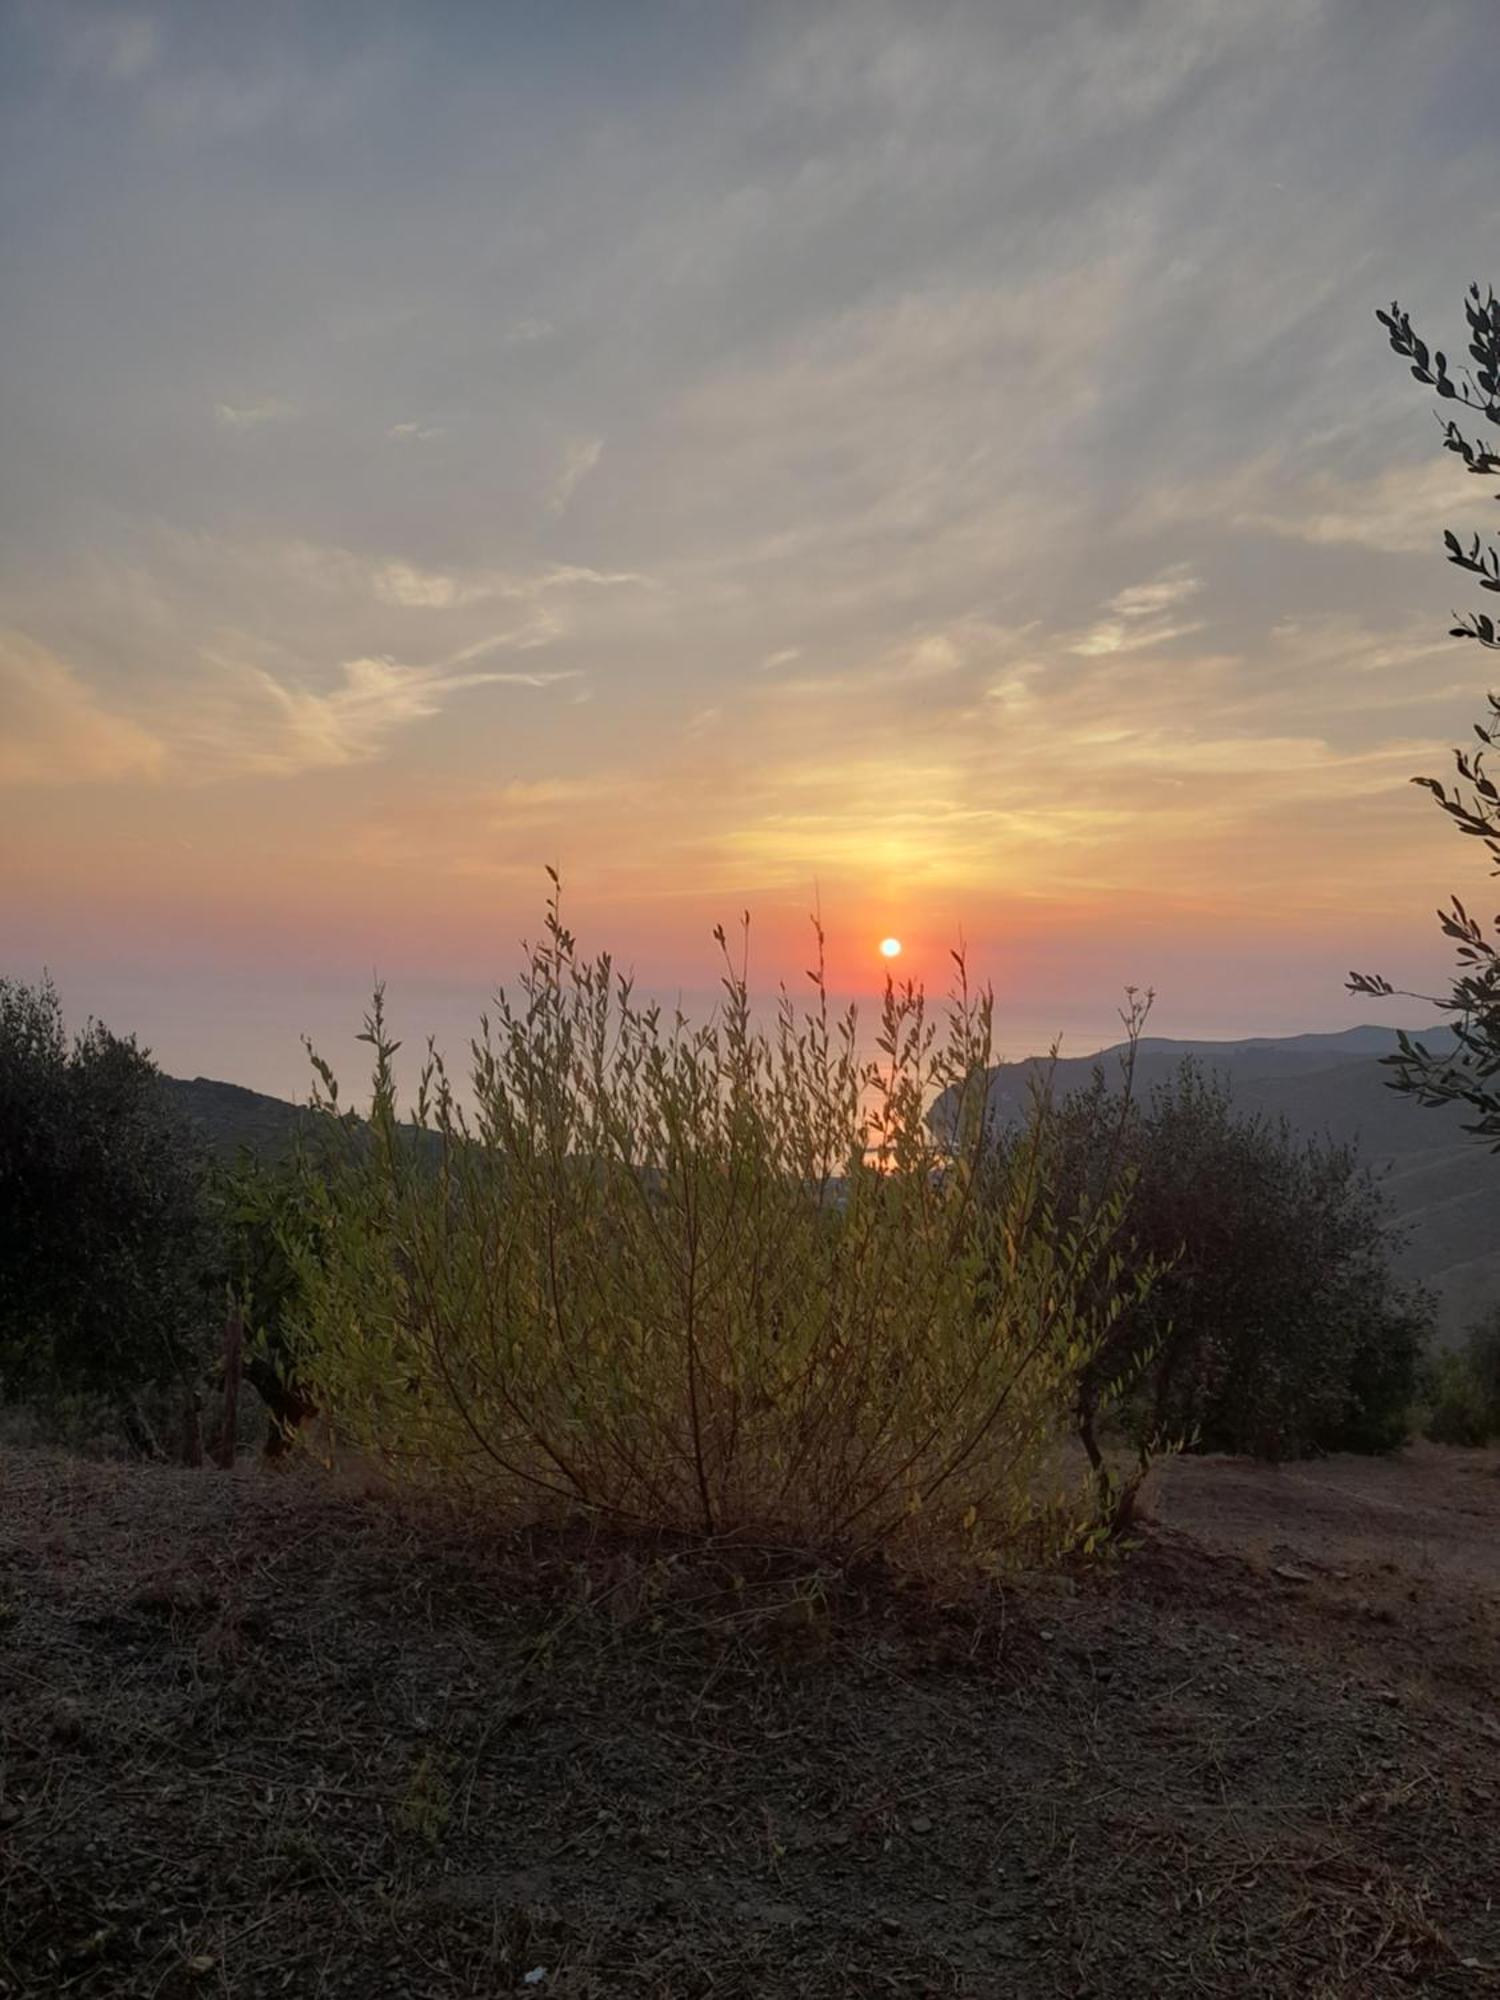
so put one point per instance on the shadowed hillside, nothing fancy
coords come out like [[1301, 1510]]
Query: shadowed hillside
[[230, 1119]]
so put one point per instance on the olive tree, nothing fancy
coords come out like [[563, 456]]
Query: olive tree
[[1273, 1325], [1468, 1073], [104, 1233]]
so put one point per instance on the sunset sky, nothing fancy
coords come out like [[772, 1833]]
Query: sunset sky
[[935, 461]]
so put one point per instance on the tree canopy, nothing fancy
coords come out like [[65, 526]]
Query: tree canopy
[[103, 1230]]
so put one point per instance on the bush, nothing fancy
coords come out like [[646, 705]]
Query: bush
[[1482, 1348], [1456, 1409], [1275, 1327], [712, 1279], [104, 1232], [1461, 1388]]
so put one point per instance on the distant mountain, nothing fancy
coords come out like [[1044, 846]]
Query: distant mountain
[[1443, 1187], [230, 1119]]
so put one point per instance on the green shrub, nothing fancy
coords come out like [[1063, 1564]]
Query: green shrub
[[1275, 1327], [1457, 1412], [713, 1278], [104, 1230], [1461, 1387], [1482, 1349]]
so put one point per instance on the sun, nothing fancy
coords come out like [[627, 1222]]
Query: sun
[[890, 947]]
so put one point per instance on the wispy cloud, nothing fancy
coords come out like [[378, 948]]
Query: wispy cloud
[[406, 584], [250, 416], [55, 730], [578, 462], [1400, 509], [243, 701], [1144, 614], [355, 723]]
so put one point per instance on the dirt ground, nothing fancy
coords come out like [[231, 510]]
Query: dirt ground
[[260, 1737], [1432, 1510]]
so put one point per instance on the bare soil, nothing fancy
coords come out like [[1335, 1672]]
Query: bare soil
[[259, 1736]]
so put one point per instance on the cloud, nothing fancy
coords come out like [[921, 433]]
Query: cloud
[[931, 671], [55, 731], [1142, 615], [412, 587], [420, 589], [355, 723], [1395, 510], [250, 416], [578, 462], [415, 433], [1163, 593], [231, 654], [300, 607]]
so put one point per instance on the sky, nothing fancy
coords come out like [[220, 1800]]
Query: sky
[[932, 464]]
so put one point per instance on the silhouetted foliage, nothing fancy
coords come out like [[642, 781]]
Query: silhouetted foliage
[[104, 1230], [1469, 1074], [1274, 1326]]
